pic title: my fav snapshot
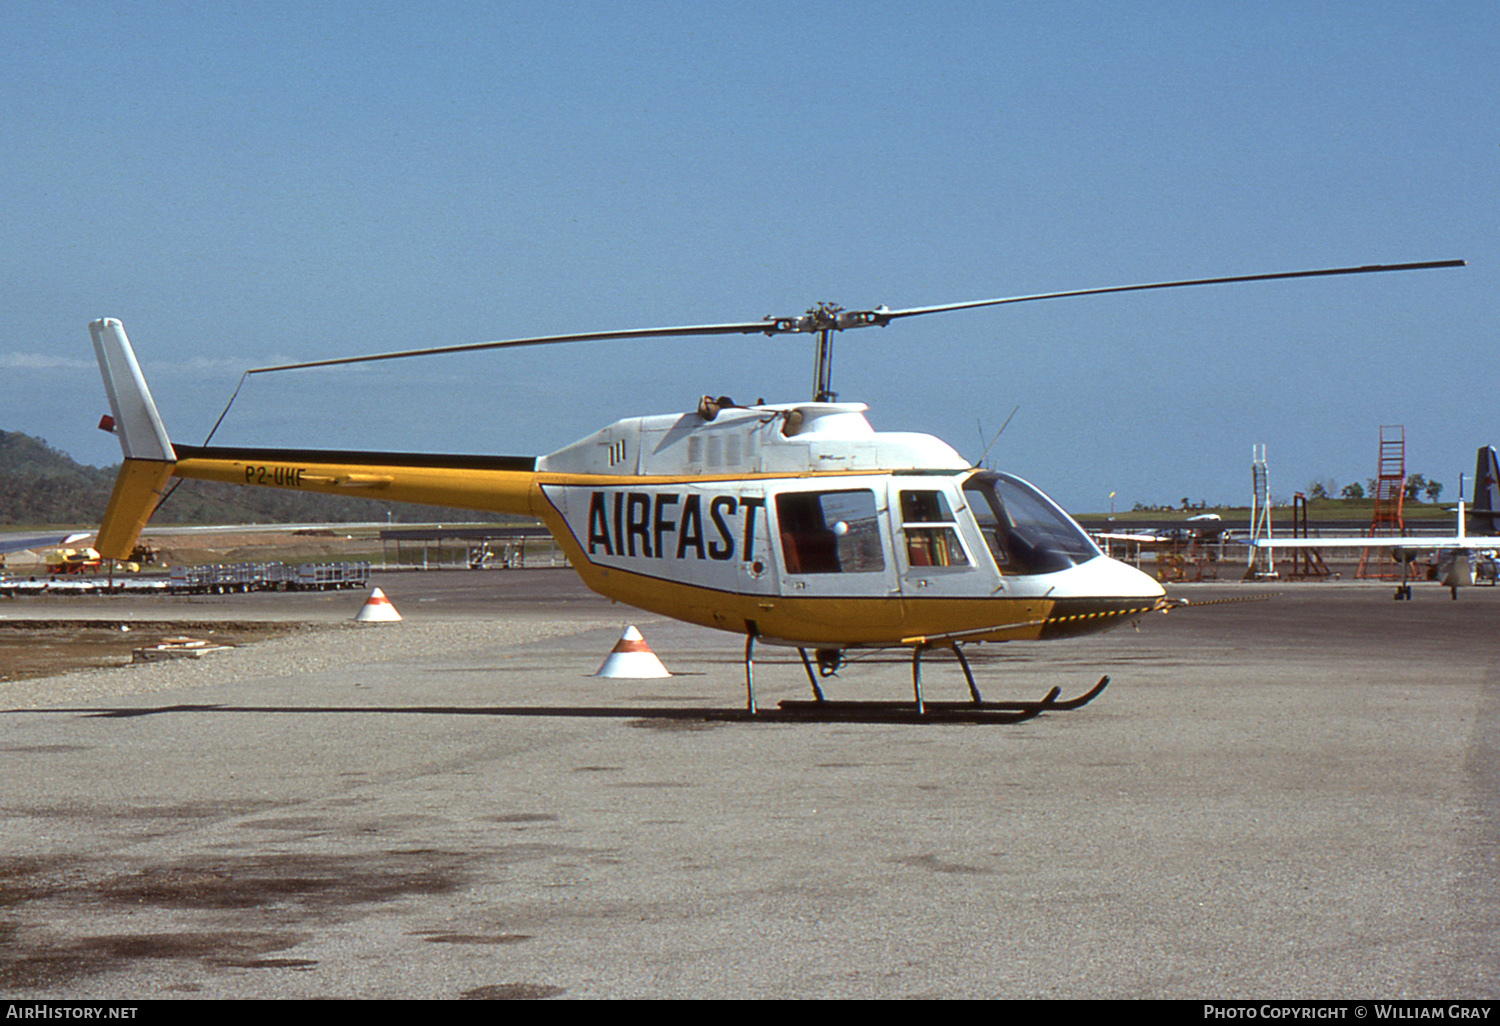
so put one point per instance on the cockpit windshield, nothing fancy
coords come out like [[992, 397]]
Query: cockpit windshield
[[1026, 532]]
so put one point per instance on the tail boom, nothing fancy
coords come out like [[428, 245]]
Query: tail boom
[[496, 484]]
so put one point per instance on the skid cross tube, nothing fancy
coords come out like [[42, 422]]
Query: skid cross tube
[[916, 671]]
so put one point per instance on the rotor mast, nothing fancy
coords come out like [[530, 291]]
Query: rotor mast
[[823, 319]]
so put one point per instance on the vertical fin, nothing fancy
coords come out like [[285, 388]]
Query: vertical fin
[[149, 458], [1484, 515], [142, 436], [138, 490]]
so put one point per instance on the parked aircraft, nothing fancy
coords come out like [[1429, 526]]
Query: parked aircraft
[[789, 523], [1460, 558]]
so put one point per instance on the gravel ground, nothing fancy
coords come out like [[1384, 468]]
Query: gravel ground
[[311, 648]]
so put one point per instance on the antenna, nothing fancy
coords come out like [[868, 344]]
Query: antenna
[[980, 462]]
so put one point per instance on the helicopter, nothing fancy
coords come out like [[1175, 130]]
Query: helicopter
[[794, 524]]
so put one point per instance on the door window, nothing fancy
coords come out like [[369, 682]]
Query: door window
[[829, 532]]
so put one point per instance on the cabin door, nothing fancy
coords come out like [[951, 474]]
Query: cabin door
[[833, 546]]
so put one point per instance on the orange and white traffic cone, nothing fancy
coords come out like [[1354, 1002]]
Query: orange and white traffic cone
[[377, 609], [632, 657]]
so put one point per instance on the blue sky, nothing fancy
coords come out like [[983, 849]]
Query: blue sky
[[244, 184]]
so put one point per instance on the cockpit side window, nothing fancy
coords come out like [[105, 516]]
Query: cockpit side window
[[1026, 532]]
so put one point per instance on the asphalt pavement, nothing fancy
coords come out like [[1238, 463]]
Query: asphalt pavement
[[1292, 798]]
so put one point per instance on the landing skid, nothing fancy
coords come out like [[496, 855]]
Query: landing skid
[[955, 712], [977, 710], [908, 712]]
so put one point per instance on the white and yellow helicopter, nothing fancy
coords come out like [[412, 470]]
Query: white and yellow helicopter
[[794, 524]]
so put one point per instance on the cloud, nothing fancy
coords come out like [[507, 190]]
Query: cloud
[[198, 365], [201, 365], [39, 361]]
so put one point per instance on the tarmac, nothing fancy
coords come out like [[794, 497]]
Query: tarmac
[[1285, 799]]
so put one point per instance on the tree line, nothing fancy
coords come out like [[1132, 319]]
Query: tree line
[[41, 485], [1415, 487]]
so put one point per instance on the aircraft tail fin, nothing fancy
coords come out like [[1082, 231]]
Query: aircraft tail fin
[[149, 457], [136, 422], [1484, 517]]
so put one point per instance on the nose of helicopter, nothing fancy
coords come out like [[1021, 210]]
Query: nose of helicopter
[[1122, 580]]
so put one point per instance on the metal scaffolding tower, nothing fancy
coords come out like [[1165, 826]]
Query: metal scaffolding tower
[[1261, 563], [1390, 491]]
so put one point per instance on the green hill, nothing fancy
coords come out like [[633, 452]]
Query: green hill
[[40, 485]]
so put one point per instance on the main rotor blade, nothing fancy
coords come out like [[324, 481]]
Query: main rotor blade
[[768, 327], [883, 316], [819, 319]]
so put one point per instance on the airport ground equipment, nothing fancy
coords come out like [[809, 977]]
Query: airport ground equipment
[[1306, 562], [1386, 518], [1260, 563]]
